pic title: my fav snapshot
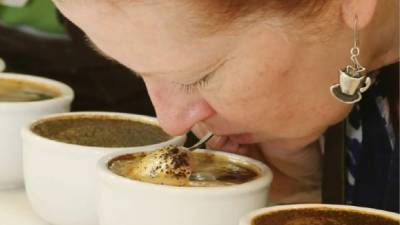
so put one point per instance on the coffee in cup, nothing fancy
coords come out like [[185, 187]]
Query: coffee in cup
[[213, 198], [320, 214], [19, 90], [61, 152], [100, 131], [178, 166], [24, 98]]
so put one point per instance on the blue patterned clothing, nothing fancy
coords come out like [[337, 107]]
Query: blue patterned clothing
[[372, 147]]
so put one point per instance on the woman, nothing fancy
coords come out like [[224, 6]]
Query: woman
[[256, 73]]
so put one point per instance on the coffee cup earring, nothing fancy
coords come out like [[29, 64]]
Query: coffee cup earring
[[353, 79]]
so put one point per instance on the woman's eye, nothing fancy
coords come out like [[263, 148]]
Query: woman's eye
[[188, 88]]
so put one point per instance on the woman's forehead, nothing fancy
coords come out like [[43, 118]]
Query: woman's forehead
[[144, 36]]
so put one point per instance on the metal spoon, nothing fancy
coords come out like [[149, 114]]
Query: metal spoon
[[201, 176], [201, 141]]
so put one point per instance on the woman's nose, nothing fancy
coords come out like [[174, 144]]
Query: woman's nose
[[176, 110]]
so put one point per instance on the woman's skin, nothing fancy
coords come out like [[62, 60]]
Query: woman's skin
[[267, 89]]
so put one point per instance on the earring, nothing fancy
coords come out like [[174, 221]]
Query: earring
[[353, 79]]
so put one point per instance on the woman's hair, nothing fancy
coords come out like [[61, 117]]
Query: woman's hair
[[216, 15], [211, 16]]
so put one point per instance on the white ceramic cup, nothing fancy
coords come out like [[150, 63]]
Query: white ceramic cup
[[2, 65], [130, 202], [14, 115], [248, 219], [60, 177]]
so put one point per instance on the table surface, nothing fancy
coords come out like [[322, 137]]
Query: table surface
[[15, 209]]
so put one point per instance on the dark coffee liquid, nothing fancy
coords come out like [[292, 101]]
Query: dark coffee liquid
[[322, 216], [24, 91], [225, 172], [100, 131]]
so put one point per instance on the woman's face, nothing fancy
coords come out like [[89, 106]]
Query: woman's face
[[254, 83]]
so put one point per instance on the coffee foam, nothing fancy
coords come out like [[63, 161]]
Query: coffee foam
[[170, 165], [94, 115], [13, 89], [110, 131], [324, 216]]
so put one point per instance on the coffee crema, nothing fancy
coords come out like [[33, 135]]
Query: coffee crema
[[322, 216], [15, 90], [216, 170], [100, 131]]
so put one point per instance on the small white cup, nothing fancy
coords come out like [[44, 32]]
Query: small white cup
[[130, 202], [2, 65], [14, 115], [60, 177], [249, 218]]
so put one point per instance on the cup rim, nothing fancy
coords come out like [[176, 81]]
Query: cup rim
[[264, 180], [27, 129], [247, 219], [66, 92]]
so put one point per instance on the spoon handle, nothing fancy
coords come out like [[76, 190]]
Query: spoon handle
[[202, 141]]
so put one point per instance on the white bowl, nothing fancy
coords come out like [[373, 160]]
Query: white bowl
[[122, 201], [247, 219], [14, 115], [60, 177]]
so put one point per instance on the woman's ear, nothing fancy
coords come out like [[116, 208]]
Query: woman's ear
[[363, 9]]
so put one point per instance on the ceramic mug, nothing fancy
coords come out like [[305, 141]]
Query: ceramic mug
[[131, 202], [14, 115], [60, 177], [319, 214]]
